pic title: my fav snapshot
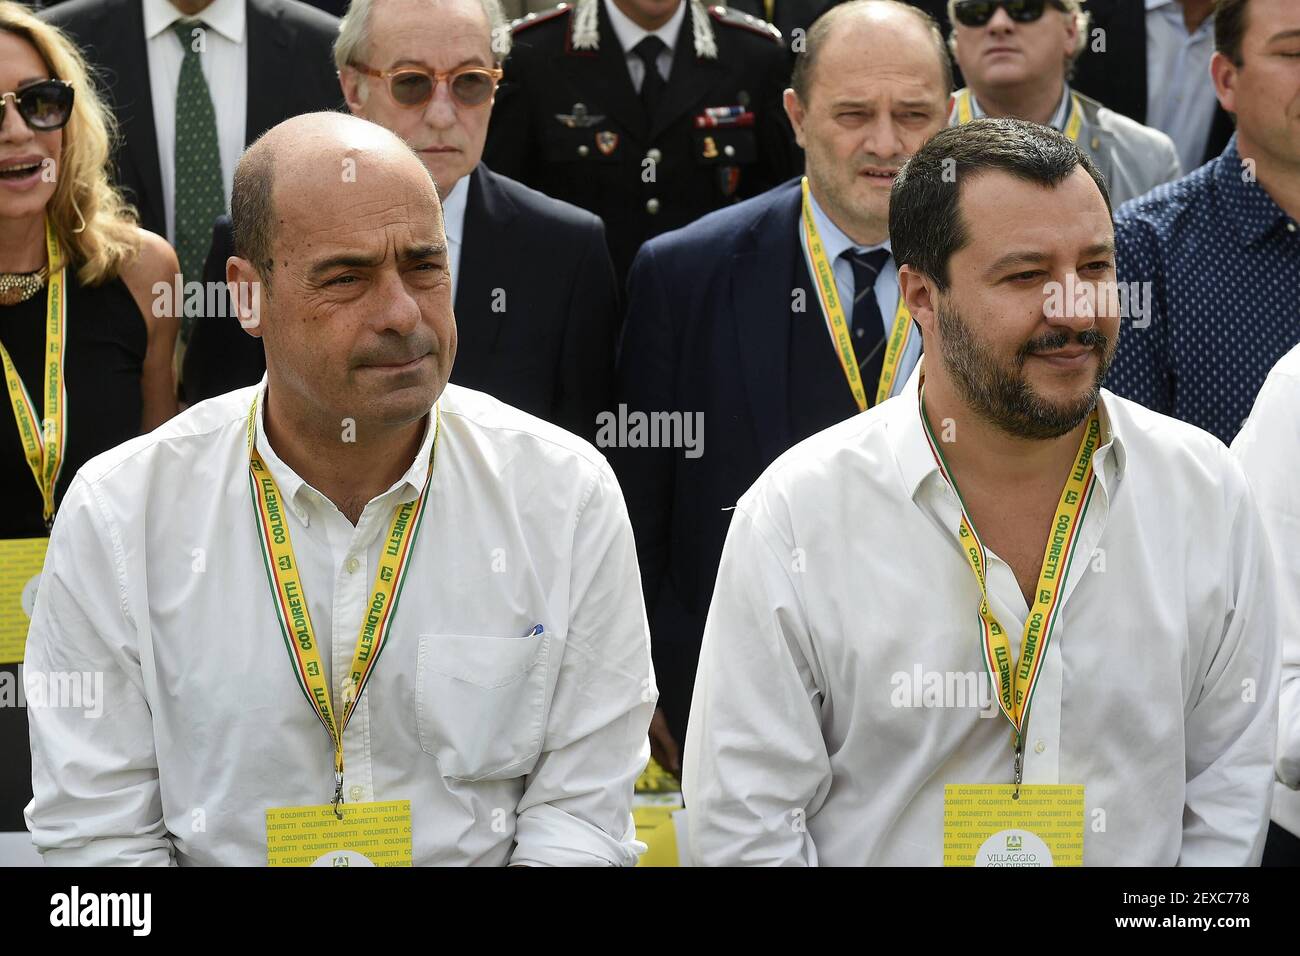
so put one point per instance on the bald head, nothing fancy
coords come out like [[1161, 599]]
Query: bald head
[[299, 165], [868, 27]]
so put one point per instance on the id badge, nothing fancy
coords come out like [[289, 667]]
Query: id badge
[[984, 826], [370, 834], [21, 561]]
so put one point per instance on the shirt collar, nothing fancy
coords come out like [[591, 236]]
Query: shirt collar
[[1059, 118], [227, 17], [1157, 4], [300, 494], [629, 34], [453, 209], [1249, 206], [834, 240], [916, 461]]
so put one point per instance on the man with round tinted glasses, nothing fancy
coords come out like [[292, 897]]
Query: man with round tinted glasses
[[534, 288], [1016, 56]]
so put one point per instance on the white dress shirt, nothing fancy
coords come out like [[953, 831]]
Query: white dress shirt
[[453, 222], [225, 69], [629, 35], [1180, 93], [835, 241], [842, 580], [1269, 450], [511, 748]]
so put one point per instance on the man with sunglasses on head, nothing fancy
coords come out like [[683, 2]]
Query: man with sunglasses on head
[[534, 289], [1016, 56], [649, 113]]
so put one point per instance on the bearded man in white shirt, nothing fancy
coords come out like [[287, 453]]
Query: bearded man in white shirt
[[239, 577], [1103, 571]]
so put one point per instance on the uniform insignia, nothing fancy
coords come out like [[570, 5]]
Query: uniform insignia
[[579, 118], [728, 180], [710, 148], [523, 23], [586, 26], [723, 116], [735, 18], [606, 142]]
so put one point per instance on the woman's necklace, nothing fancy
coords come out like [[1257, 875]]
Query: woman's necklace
[[18, 287]]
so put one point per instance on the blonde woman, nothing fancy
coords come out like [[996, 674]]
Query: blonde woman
[[86, 362]]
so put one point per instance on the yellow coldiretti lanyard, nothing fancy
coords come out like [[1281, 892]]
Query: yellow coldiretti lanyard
[[1016, 684], [291, 601], [827, 293], [965, 113], [43, 438]]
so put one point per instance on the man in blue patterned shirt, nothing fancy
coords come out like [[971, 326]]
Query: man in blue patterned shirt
[[1218, 252]]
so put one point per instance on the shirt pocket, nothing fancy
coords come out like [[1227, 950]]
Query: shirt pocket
[[480, 703]]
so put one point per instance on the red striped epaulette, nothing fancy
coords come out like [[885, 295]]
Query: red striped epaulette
[[523, 23], [735, 18]]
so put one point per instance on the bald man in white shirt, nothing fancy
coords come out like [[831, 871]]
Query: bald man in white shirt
[[473, 563], [1103, 577]]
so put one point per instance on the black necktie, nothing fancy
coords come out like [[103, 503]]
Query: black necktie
[[868, 325], [652, 86]]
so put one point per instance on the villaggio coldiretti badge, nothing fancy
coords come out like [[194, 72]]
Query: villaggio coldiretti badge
[[21, 560], [43, 439], [986, 825], [369, 834], [337, 834]]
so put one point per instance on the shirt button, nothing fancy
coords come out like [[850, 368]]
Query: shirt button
[[356, 793], [654, 155], [1290, 227], [352, 565], [583, 150], [729, 150], [859, 332], [1039, 747], [652, 206]]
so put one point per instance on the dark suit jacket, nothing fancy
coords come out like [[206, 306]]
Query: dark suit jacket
[[1118, 77], [549, 351], [290, 71], [714, 313]]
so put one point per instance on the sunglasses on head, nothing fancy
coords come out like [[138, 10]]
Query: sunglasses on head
[[44, 106], [414, 86], [976, 13]]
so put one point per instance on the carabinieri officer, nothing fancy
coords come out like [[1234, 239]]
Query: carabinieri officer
[[581, 117]]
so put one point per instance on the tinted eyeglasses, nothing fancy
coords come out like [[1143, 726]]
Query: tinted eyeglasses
[[976, 13], [413, 86], [44, 106]]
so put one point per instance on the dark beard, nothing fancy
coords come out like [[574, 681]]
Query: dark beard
[[1004, 398]]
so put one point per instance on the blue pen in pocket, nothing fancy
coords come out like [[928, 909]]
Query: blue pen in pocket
[[537, 631]]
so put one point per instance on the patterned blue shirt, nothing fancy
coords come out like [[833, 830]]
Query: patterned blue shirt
[[1223, 261]]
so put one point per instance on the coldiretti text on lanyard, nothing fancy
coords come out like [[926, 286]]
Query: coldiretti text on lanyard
[[819, 266], [43, 438], [291, 601], [1016, 682], [1073, 126]]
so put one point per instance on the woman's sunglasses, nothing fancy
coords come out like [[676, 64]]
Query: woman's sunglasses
[[976, 13], [45, 106], [413, 86]]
